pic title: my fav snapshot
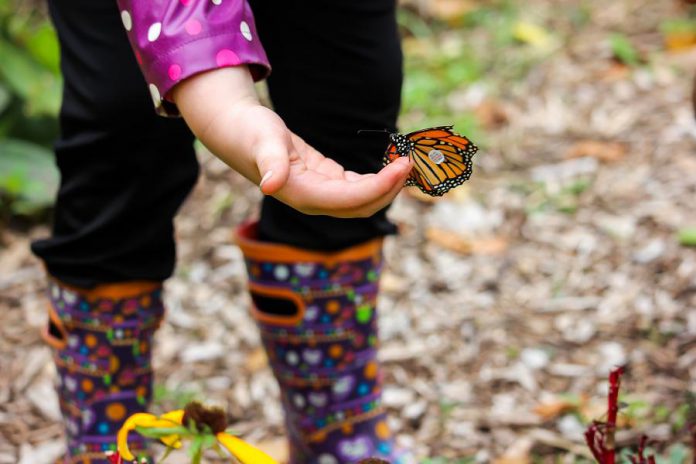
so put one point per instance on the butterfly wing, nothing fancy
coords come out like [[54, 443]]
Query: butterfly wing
[[442, 159]]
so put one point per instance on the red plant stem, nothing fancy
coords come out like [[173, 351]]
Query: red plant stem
[[612, 410], [594, 439]]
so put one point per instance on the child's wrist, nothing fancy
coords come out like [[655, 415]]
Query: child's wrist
[[223, 86]]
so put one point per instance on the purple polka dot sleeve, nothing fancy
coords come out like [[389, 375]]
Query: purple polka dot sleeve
[[175, 39]]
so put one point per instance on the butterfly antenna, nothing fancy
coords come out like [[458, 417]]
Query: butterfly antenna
[[383, 131]]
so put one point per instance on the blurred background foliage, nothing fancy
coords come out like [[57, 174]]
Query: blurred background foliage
[[30, 86]]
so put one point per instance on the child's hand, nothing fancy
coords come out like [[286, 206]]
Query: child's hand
[[222, 109]]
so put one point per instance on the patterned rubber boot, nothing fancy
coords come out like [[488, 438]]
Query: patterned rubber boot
[[101, 340], [316, 314]]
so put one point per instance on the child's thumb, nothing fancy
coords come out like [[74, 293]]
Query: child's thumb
[[273, 161]]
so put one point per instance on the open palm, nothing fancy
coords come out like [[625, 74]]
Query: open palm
[[314, 184]]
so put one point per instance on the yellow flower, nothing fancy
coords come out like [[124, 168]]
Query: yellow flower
[[244, 452]]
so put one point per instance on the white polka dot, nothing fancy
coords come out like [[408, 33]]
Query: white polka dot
[[154, 92], [217, 2], [87, 417], [304, 269], [73, 427], [327, 459], [154, 32], [246, 30], [281, 272], [127, 21], [69, 297], [299, 400], [71, 384], [292, 358]]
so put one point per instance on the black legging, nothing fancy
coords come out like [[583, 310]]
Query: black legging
[[337, 68]]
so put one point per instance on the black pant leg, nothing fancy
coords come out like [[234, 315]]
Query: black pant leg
[[124, 170], [337, 68]]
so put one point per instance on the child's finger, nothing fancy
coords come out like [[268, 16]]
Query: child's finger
[[356, 198], [383, 200], [273, 163]]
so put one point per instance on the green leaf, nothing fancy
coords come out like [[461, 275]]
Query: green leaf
[[43, 46], [687, 236], [677, 454], [680, 417], [166, 454], [623, 50], [160, 432], [216, 447], [4, 98], [209, 440], [36, 85], [28, 175], [195, 452], [678, 26]]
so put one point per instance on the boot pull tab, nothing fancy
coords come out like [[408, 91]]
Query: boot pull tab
[[55, 333], [276, 306]]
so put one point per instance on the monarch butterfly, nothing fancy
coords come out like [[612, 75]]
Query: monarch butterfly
[[442, 158]]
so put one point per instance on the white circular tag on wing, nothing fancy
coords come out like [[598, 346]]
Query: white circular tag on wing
[[436, 156]]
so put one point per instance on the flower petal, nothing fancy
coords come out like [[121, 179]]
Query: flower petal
[[244, 452], [142, 419], [176, 416], [138, 419]]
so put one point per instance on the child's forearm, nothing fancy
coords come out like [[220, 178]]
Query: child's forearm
[[211, 103]]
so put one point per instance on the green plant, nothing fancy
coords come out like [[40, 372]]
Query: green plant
[[30, 86], [623, 50], [687, 236]]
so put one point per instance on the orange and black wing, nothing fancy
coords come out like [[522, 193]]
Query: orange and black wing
[[442, 159]]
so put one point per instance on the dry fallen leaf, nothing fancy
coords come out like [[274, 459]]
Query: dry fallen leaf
[[606, 152], [491, 114], [554, 408], [517, 453], [256, 361], [680, 42], [464, 245], [532, 34], [450, 11], [277, 448], [615, 71]]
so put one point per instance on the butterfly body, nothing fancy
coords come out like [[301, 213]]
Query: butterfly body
[[441, 158]]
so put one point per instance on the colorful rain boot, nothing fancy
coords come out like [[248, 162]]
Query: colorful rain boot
[[316, 314], [101, 339]]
